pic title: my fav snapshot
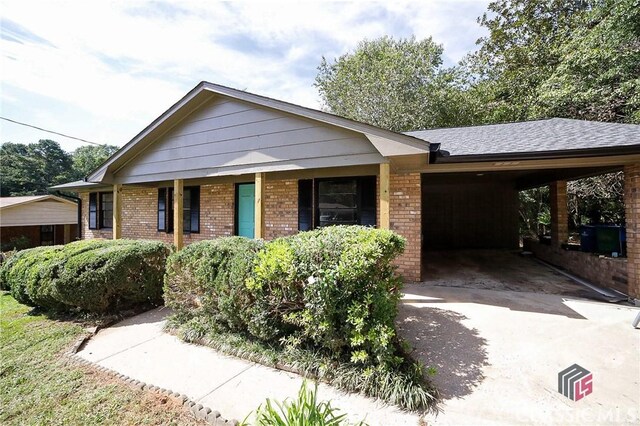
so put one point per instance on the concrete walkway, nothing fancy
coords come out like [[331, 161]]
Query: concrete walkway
[[138, 348], [497, 353]]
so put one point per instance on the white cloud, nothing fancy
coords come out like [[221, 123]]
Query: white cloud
[[103, 70]]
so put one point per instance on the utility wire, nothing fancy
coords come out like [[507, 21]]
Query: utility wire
[[51, 131]]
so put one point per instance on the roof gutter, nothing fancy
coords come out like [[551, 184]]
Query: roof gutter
[[78, 201], [442, 158]]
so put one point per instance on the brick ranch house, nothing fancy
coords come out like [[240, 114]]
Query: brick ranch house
[[226, 162]]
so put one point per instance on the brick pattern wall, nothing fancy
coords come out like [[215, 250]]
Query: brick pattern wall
[[405, 211], [604, 271], [140, 209], [281, 208], [217, 202], [632, 214], [559, 213]]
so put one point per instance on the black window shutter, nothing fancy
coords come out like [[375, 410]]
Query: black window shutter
[[162, 209], [368, 201], [305, 205], [93, 210], [195, 209]]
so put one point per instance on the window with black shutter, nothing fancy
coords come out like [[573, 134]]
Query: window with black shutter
[[106, 210], [305, 205], [190, 206], [336, 201], [93, 210]]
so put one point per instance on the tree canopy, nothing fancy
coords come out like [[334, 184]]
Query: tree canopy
[[389, 83], [30, 169], [540, 59]]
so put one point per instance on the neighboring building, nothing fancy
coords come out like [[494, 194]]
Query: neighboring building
[[38, 220], [226, 162]]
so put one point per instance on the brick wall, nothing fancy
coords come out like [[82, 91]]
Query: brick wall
[[139, 215], [603, 271], [140, 209], [632, 214], [405, 210], [559, 212], [281, 208]]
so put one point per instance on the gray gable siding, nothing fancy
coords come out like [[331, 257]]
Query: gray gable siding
[[229, 136]]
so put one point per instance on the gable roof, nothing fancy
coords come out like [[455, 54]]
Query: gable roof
[[387, 143], [6, 202], [550, 136]]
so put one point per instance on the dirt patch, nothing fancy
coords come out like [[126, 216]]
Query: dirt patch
[[497, 270]]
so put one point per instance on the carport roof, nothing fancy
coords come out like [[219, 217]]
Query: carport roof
[[540, 137]]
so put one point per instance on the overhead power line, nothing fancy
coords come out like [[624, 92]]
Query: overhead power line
[[51, 131]]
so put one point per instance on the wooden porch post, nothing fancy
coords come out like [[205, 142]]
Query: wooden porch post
[[259, 208], [559, 213], [178, 213], [67, 233], [385, 222], [632, 223], [117, 212]]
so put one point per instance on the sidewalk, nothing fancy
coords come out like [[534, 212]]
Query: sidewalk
[[138, 348]]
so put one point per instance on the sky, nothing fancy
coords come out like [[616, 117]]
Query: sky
[[103, 70]]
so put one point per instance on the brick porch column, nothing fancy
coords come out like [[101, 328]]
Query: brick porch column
[[405, 210], [559, 212], [632, 217]]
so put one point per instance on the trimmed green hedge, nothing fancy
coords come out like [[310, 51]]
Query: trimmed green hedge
[[91, 275], [332, 289]]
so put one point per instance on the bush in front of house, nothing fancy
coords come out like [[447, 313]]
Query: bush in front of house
[[322, 302], [207, 280], [92, 275]]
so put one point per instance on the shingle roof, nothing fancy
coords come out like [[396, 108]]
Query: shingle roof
[[555, 134]]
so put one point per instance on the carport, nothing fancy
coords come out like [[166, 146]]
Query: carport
[[470, 197]]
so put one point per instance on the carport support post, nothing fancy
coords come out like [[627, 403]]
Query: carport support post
[[559, 212], [178, 213], [117, 212], [632, 222], [67, 233], [385, 221]]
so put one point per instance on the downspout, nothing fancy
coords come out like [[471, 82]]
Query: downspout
[[78, 201]]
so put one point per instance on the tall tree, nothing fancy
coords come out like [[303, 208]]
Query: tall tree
[[87, 158], [31, 169], [394, 84]]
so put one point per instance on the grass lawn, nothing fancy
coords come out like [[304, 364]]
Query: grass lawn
[[38, 385]]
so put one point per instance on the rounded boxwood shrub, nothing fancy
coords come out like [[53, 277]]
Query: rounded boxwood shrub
[[207, 280], [92, 275], [332, 289]]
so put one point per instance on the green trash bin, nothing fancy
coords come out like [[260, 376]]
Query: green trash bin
[[609, 239]]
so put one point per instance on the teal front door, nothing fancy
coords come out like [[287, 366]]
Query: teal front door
[[246, 205]]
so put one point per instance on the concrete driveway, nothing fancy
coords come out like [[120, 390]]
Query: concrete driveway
[[498, 354]]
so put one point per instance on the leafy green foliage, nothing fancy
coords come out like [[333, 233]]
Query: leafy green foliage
[[207, 280], [333, 289], [88, 158], [322, 302], [91, 275], [395, 84], [31, 169], [404, 385], [305, 410]]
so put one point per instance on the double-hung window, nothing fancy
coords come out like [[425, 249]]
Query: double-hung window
[[190, 209], [101, 210]]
